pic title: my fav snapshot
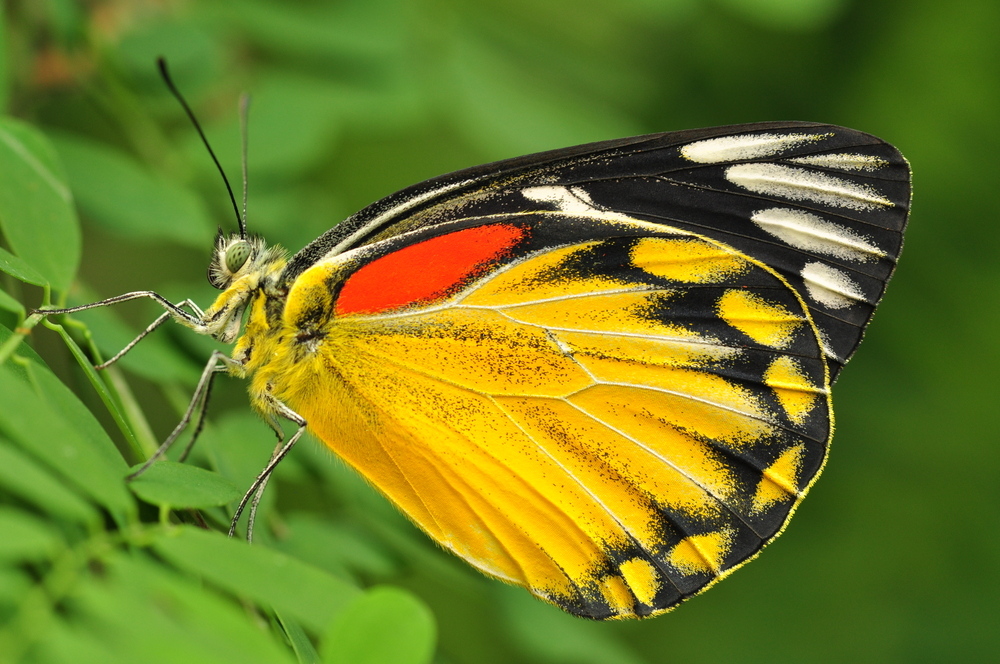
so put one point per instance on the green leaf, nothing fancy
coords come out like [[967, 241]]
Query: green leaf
[[26, 537], [386, 625], [110, 399], [302, 591], [17, 268], [117, 192], [297, 638], [36, 207], [46, 420], [23, 477], [183, 485]]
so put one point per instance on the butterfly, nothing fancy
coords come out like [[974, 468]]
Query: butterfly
[[601, 373]]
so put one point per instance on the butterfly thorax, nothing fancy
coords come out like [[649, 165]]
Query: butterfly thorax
[[285, 329]]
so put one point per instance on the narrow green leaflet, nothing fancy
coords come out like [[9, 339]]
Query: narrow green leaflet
[[297, 589], [19, 269], [36, 207], [181, 485], [49, 423], [386, 625], [116, 191], [298, 639]]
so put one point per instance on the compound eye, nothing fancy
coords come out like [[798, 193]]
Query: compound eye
[[237, 255]]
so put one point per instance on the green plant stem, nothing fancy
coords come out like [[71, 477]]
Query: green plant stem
[[111, 399], [20, 332]]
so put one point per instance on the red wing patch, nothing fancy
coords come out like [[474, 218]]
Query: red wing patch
[[425, 271]]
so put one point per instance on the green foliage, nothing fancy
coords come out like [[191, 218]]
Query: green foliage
[[891, 559], [174, 485], [385, 624], [36, 213], [112, 189]]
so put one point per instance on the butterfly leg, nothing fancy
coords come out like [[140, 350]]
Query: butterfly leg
[[258, 494], [174, 310], [256, 489], [163, 318], [252, 517], [217, 363]]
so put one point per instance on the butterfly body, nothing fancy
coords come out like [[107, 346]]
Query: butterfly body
[[601, 373]]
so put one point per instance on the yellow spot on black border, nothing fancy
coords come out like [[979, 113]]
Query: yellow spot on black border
[[765, 322], [795, 393]]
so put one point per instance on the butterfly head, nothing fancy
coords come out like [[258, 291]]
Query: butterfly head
[[236, 255]]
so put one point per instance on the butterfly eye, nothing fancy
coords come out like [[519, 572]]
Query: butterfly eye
[[237, 255]]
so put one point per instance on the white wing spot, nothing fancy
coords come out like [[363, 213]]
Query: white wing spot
[[830, 287], [810, 232], [565, 199], [799, 184], [843, 161], [745, 146]]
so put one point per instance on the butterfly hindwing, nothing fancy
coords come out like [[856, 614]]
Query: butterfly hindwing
[[822, 205], [612, 417]]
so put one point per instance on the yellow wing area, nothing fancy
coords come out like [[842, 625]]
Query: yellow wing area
[[612, 440]]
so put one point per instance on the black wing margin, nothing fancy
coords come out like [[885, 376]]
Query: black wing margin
[[822, 205]]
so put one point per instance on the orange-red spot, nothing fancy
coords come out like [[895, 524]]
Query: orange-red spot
[[425, 271]]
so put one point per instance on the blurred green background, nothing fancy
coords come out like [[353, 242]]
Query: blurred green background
[[894, 557]]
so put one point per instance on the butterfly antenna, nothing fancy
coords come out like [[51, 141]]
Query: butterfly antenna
[[162, 63], [244, 124]]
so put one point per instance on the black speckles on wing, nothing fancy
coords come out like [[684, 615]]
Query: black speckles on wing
[[613, 422]]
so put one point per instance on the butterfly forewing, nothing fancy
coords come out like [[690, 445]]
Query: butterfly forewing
[[823, 205], [613, 418]]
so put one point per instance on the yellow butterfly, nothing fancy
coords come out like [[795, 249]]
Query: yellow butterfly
[[601, 373]]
